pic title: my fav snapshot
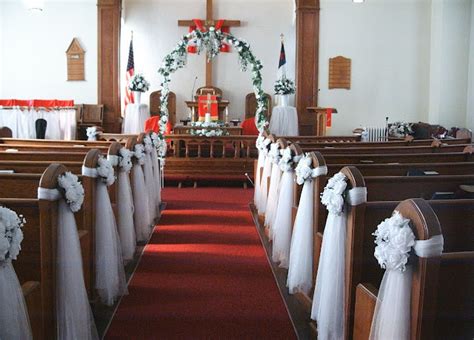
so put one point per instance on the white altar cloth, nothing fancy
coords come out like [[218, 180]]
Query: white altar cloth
[[284, 121], [135, 117], [61, 123]]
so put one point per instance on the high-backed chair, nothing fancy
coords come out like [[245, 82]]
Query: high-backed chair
[[5, 132], [88, 115], [251, 105], [212, 90], [155, 105]]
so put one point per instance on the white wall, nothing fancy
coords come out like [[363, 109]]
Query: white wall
[[33, 50], [2, 48], [450, 33], [156, 32], [388, 42]]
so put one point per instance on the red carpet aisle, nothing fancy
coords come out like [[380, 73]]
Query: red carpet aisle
[[204, 274]]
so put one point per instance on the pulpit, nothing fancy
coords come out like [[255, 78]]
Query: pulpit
[[323, 117], [208, 99]]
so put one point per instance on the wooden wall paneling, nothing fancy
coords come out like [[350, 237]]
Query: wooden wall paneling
[[109, 19], [307, 62]]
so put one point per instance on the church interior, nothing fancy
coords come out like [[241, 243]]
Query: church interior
[[236, 169]]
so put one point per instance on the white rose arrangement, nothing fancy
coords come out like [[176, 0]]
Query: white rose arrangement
[[400, 129], [125, 159], [11, 234], [304, 170], [139, 153], [92, 133], [332, 196], [139, 83], [209, 129], [394, 239], [148, 144], [274, 153], [105, 171], [288, 160], [284, 86], [74, 191]]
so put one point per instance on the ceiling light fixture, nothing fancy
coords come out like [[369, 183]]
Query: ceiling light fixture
[[357, 1]]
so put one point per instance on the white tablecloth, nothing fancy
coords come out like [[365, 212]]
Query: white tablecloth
[[284, 121], [61, 124], [135, 117]]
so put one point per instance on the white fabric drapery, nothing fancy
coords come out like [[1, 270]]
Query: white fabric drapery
[[157, 179], [281, 230], [328, 299], [73, 313], [14, 320], [258, 176], [272, 201], [267, 168], [125, 209], [392, 315], [150, 186], [61, 123], [135, 118], [284, 121], [110, 274], [141, 214]]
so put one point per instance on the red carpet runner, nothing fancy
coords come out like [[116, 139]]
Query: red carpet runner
[[204, 274]]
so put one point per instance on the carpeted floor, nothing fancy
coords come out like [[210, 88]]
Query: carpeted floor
[[204, 275]]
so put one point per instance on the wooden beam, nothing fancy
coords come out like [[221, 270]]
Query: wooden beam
[[108, 19], [307, 62]]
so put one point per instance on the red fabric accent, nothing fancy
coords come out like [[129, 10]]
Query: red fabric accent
[[203, 275], [44, 103], [329, 117], [64, 103], [203, 107], [225, 47], [21, 102], [249, 128], [7, 102], [152, 124]]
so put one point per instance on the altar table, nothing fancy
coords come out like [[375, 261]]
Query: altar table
[[61, 122], [284, 121], [135, 117]]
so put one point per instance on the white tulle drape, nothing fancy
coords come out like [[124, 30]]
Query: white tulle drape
[[157, 179], [300, 267], [14, 321], [73, 313], [328, 299], [150, 187], [110, 274], [272, 201], [125, 209], [267, 169], [281, 229], [392, 315], [141, 214], [258, 172]]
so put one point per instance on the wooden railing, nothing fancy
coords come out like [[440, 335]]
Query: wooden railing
[[186, 146]]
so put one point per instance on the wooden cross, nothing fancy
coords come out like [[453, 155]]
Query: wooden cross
[[208, 23], [209, 102]]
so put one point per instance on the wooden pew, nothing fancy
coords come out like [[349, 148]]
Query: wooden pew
[[52, 148], [52, 142], [444, 285], [35, 266], [25, 185]]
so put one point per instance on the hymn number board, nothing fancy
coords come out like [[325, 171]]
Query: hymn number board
[[340, 73], [75, 61]]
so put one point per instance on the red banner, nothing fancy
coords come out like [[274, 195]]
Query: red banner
[[208, 104], [329, 117], [37, 102]]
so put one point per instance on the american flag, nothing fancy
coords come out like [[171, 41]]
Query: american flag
[[129, 74]]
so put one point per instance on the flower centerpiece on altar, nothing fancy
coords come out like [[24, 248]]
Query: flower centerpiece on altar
[[138, 85], [400, 129], [284, 87], [209, 129]]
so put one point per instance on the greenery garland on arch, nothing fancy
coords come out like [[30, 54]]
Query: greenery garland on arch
[[211, 41]]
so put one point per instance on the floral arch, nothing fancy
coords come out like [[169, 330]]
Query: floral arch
[[211, 40]]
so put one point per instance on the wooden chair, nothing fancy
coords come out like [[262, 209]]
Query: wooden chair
[[89, 115], [6, 132], [155, 103], [251, 105], [205, 90]]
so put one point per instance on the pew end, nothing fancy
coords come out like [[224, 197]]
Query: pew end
[[366, 299], [32, 294]]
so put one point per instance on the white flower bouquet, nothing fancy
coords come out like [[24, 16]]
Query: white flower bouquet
[[105, 171], [284, 86], [333, 194], [139, 153], [125, 159], [209, 129], [139, 83], [288, 160], [11, 234], [400, 129], [74, 191]]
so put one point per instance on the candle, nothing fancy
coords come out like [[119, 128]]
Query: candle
[[192, 114], [207, 118], [226, 114]]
